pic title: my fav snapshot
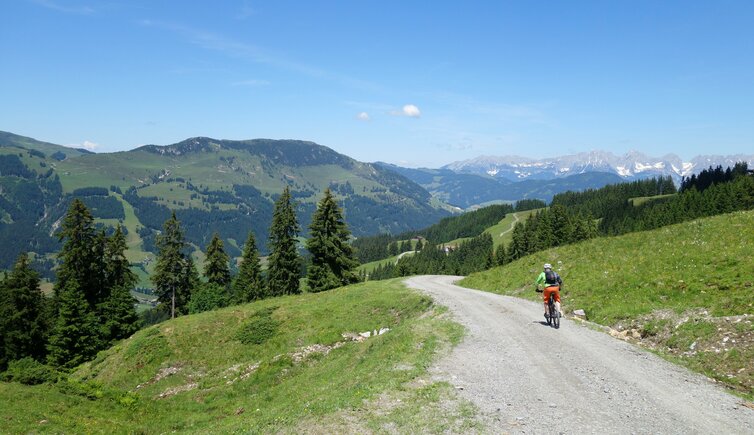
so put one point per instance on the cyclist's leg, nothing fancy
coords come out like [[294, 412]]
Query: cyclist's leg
[[546, 296]]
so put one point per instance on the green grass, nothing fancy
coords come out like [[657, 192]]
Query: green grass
[[372, 265], [678, 272], [645, 199], [227, 386], [503, 231]]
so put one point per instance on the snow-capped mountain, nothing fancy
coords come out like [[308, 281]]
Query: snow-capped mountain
[[632, 165]]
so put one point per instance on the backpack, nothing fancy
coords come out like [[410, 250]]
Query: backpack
[[551, 278]]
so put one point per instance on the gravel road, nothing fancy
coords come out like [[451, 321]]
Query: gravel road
[[526, 377]]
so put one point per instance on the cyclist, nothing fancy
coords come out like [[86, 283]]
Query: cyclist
[[552, 283]]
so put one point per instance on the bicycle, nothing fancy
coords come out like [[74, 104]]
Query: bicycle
[[553, 316]]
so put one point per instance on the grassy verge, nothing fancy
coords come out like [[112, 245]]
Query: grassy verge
[[263, 367], [683, 290]]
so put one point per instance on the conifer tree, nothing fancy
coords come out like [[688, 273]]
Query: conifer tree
[[118, 318], [216, 264], [284, 267], [501, 256], [79, 259], [175, 273], [75, 336], [249, 285], [333, 262], [23, 327], [117, 267]]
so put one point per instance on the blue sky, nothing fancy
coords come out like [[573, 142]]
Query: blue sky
[[419, 83]]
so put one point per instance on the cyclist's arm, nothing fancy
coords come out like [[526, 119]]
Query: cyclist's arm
[[540, 280]]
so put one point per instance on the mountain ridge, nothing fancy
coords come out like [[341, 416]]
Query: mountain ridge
[[630, 166], [212, 185]]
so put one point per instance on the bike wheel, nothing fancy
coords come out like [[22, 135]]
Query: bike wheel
[[554, 320]]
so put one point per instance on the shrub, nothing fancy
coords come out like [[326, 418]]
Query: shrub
[[259, 328], [206, 297], [29, 371]]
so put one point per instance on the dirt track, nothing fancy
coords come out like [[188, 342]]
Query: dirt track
[[526, 377]]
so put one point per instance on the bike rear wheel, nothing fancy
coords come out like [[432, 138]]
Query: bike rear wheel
[[554, 318]]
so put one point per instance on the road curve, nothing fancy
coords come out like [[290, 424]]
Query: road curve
[[526, 377]]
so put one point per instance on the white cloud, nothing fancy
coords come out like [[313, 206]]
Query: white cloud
[[363, 116], [88, 145], [409, 110]]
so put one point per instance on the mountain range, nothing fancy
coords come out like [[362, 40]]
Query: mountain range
[[213, 185], [487, 179], [630, 166]]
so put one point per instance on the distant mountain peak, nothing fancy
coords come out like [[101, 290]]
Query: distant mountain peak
[[632, 165]]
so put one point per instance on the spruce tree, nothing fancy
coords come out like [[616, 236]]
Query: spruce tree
[[75, 336], [249, 285], [79, 259], [333, 262], [23, 329], [284, 267], [118, 315], [216, 264], [117, 267], [501, 256], [175, 273]]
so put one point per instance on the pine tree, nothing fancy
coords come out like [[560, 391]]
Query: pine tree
[[249, 285], [23, 329], [79, 256], [216, 264], [175, 273], [333, 262], [75, 336], [284, 268]]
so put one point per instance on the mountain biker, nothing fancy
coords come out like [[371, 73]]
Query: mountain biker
[[552, 283]]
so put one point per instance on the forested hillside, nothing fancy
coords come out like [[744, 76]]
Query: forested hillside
[[212, 185], [466, 225]]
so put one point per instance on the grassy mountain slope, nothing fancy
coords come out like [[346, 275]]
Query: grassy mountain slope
[[13, 140], [282, 364], [214, 185], [684, 290]]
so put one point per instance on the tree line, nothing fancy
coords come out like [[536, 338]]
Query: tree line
[[91, 306], [471, 256], [697, 199], [469, 224]]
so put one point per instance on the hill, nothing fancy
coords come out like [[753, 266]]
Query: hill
[[214, 185], [285, 364], [683, 290]]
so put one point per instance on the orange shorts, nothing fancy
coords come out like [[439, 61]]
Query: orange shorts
[[552, 289]]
